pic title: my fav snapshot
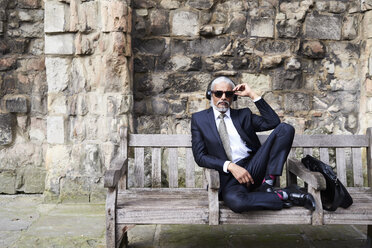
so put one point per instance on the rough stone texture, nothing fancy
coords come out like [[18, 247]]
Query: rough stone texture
[[56, 130], [56, 17], [185, 23], [62, 44], [7, 122], [323, 27], [16, 104]]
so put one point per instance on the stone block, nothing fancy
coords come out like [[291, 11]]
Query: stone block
[[185, 23], [184, 63], [114, 16], [159, 24], [77, 129], [74, 190], [7, 122], [208, 47], [367, 24], [170, 4], [56, 130], [200, 4], [33, 180], [8, 63], [57, 16], [61, 44], [160, 106], [88, 15], [38, 129], [29, 4], [150, 46], [16, 104], [323, 27], [296, 102], [260, 83], [366, 5], [272, 47], [57, 104], [38, 104], [31, 29], [236, 25], [313, 49], [370, 65], [263, 27], [350, 28], [7, 182], [57, 73], [84, 44], [288, 28], [283, 80]]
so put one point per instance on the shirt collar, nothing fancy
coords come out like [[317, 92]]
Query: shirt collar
[[217, 113]]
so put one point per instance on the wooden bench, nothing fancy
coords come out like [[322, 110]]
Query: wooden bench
[[196, 203]]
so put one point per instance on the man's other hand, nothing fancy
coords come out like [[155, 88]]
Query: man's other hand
[[241, 174]]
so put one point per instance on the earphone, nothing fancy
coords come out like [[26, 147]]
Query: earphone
[[208, 93]]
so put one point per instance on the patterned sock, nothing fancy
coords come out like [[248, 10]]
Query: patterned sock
[[269, 179], [282, 194]]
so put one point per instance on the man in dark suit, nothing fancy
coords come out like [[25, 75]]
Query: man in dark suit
[[225, 139]]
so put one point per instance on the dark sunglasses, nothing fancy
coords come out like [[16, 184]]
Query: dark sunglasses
[[219, 93]]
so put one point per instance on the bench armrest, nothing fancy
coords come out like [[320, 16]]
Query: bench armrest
[[213, 178], [315, 179], [117, 169]]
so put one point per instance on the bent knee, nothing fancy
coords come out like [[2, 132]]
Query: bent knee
[[287, 128], [235, 204]]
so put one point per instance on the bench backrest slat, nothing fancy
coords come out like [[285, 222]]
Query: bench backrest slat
[[157, 144], [190, 169], [139, 167], [357, 167], [324, 155], [172, 167], [341, 165], [156, 167]]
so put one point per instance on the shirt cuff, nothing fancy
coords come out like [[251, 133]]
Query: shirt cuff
[[258, 98], [225, 166]]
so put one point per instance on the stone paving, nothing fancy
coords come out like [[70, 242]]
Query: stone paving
[[25, 221]]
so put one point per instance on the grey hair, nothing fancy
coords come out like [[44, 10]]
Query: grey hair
[[222, 79]]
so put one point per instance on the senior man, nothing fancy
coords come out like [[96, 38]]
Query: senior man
[[224, 139]]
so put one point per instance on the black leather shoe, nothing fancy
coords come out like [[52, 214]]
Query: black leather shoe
[[287, 204], [265, 188], [300, 198]]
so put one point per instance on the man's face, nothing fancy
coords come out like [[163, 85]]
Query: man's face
[[222, 103]]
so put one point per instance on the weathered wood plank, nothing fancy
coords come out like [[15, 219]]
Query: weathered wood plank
[[184, 140], [294, 215], [160, 140], [324, 155], [118, 168], [190, 169], [172, 167], [156, 167], [213, 178], [357, 167], [325, 140], [139, 167], [214, 210], [315, 179], [111, 217], [369, 157], [341, 165], [317, 214]]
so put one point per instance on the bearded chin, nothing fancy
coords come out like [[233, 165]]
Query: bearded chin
[[221, 109]]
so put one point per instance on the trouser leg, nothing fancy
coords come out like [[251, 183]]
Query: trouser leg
[[271, 156]]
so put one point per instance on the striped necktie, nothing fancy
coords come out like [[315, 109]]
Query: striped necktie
[[224, 136]]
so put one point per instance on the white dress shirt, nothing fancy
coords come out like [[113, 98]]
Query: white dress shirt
[[239, 150]]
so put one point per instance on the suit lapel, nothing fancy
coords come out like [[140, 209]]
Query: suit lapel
[[212, 125]]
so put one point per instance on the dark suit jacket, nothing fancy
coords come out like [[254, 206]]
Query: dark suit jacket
[[206, 143]]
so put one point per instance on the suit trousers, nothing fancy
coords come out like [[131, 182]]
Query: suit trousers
[[268, 160]]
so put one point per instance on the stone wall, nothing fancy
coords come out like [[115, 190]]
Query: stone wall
[[23, 106], [307, 58], [88, 64]]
